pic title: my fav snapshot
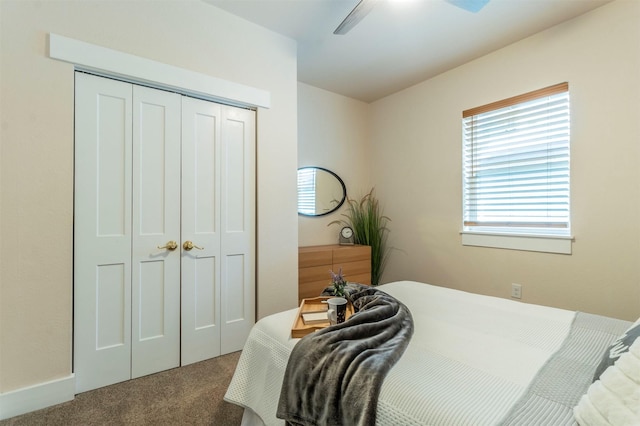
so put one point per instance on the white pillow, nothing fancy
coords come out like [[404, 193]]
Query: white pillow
[[617, 348], [614, 399]]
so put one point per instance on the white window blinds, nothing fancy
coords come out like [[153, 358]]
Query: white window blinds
[[307, 191], [516, 164]]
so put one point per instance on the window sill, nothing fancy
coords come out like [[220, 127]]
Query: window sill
[[539, 243]]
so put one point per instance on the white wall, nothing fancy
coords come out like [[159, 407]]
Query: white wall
[[416, 146], [333, 133], [36, 165]]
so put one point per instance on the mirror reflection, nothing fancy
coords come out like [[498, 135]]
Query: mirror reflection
[[320, 191]]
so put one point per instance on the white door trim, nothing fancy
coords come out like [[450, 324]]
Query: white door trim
[[109, 62]]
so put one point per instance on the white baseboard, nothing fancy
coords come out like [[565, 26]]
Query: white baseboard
[[36, 397]]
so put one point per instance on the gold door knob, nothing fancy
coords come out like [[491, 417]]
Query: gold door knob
[[188, 245], [171, 245]]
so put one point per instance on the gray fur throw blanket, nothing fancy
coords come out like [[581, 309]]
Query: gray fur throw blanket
[[333, 376]]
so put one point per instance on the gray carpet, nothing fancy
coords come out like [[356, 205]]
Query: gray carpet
[[190, 395]]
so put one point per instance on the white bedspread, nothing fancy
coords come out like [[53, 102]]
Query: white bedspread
[[493, 346]]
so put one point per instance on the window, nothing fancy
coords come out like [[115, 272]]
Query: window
[[307, 191], [516, 165]]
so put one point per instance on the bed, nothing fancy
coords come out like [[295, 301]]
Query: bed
[[472, 360]]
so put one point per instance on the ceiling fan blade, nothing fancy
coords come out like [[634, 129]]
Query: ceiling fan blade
[[360, 11], [470, 5]]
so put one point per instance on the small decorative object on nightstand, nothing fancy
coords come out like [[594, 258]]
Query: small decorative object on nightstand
[[346, 236]]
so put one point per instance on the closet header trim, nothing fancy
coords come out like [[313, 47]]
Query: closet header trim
[[112, 63]]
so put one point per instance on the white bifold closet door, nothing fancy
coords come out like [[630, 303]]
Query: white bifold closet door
[[164, 230]]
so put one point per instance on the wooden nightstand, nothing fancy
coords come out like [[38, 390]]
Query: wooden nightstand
[[315, 262]]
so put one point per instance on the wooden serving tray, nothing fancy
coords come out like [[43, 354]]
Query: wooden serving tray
[[315, 304]]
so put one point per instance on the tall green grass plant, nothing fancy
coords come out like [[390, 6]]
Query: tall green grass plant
[[369, 226]]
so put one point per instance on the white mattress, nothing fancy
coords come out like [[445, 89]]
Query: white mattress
[[470, 359]]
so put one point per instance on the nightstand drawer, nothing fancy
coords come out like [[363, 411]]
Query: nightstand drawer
[[315, 273], [344, 254], [307, 258], [354, 268], [312, 289]]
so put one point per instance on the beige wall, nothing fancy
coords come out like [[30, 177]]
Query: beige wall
[[416, 145], [36, 165], [333, 132]]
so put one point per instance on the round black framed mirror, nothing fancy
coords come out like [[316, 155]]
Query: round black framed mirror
[[320, 191]]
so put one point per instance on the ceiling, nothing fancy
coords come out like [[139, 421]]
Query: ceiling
[[400, 42]]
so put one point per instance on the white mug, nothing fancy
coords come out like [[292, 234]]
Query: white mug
[[337, 310]]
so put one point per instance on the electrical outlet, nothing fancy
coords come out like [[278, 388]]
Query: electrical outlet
[[516, 291]]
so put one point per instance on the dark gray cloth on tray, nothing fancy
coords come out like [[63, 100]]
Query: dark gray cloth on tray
[[333, 376]]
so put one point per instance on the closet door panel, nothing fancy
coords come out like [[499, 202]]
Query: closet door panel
[[110, 310], [200, 226], [205, 307], [238, 226], [156, 221], [234, 295], [235, 181], [102, 232], [151, 168]]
